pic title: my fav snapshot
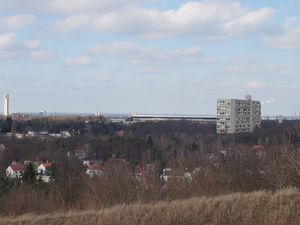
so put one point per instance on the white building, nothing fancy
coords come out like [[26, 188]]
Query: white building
[[238, 115], [94, 170], [6, 106], [157, 118], [166, 174], [15, 170], [45, 168]]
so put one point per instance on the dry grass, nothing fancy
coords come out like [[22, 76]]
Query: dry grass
[[258, 208]]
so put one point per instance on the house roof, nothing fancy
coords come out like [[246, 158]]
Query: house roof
[[94, 166], [120, 133], [17, 167], [258, 148], [47, 165], [139, 168]]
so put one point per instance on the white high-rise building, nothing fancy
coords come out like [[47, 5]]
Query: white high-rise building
[[238, 115], [6, 105]]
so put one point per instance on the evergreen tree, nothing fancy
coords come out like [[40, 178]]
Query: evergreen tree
[[52, 172], [150, 141], [29, 174]]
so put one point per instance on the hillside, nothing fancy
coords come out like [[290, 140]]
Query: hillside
[[255, 208]]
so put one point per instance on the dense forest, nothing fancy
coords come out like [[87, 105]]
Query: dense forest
[[267, 159]]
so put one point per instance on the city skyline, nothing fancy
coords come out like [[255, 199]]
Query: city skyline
[[153, 57], [213, 116]]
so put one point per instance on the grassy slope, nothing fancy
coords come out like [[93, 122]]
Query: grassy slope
[[255, 208]]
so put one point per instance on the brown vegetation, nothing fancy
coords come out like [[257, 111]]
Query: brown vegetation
[[258, 208], [268, 159]]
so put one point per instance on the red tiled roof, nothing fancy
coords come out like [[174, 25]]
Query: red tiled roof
[[47, 165], [94, 166], [17, 167], [120, 133], [258, 148], [139, 169]]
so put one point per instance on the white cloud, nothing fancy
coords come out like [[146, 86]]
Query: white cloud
[[250, 21], [208, 18], [288, 37], [151, 69], [258, 67], [73, 6], [129, 49], [32, 44], [151, 59], [269, 100], [61, 6], [42, 55], [72, 23], [116, 48], [80, 61], [10, 48], [17, 22], [255, 85], [147, 55], [6, 40], [5, 54]]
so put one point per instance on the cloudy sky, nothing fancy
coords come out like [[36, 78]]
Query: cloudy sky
[[151, 56]]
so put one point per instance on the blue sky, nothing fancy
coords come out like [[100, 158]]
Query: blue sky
[[153, 56]]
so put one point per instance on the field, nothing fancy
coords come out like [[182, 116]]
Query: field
[[257, 208]]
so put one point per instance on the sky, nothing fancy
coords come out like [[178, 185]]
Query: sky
[[151, 56]]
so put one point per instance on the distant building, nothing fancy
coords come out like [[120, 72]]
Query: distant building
[[94, 170], [45, 168], [6, 105], [157, 118], [45, 172], [166, 174], [97, 114], [139, 171], [280, 119], [15, 170], [238, 115], [81, 153]]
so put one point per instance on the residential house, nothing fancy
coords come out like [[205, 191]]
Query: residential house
[[65, 134], [45, 168], [94, 170], [259, 150], [19, 136], [139, 171], [166, 174], [120, 133], [81, 153], [45, 172], [87, 162], [15, 170]]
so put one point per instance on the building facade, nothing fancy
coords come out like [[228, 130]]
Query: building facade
[[238, 115], [15, 170], [6, 106], [136, 118]]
